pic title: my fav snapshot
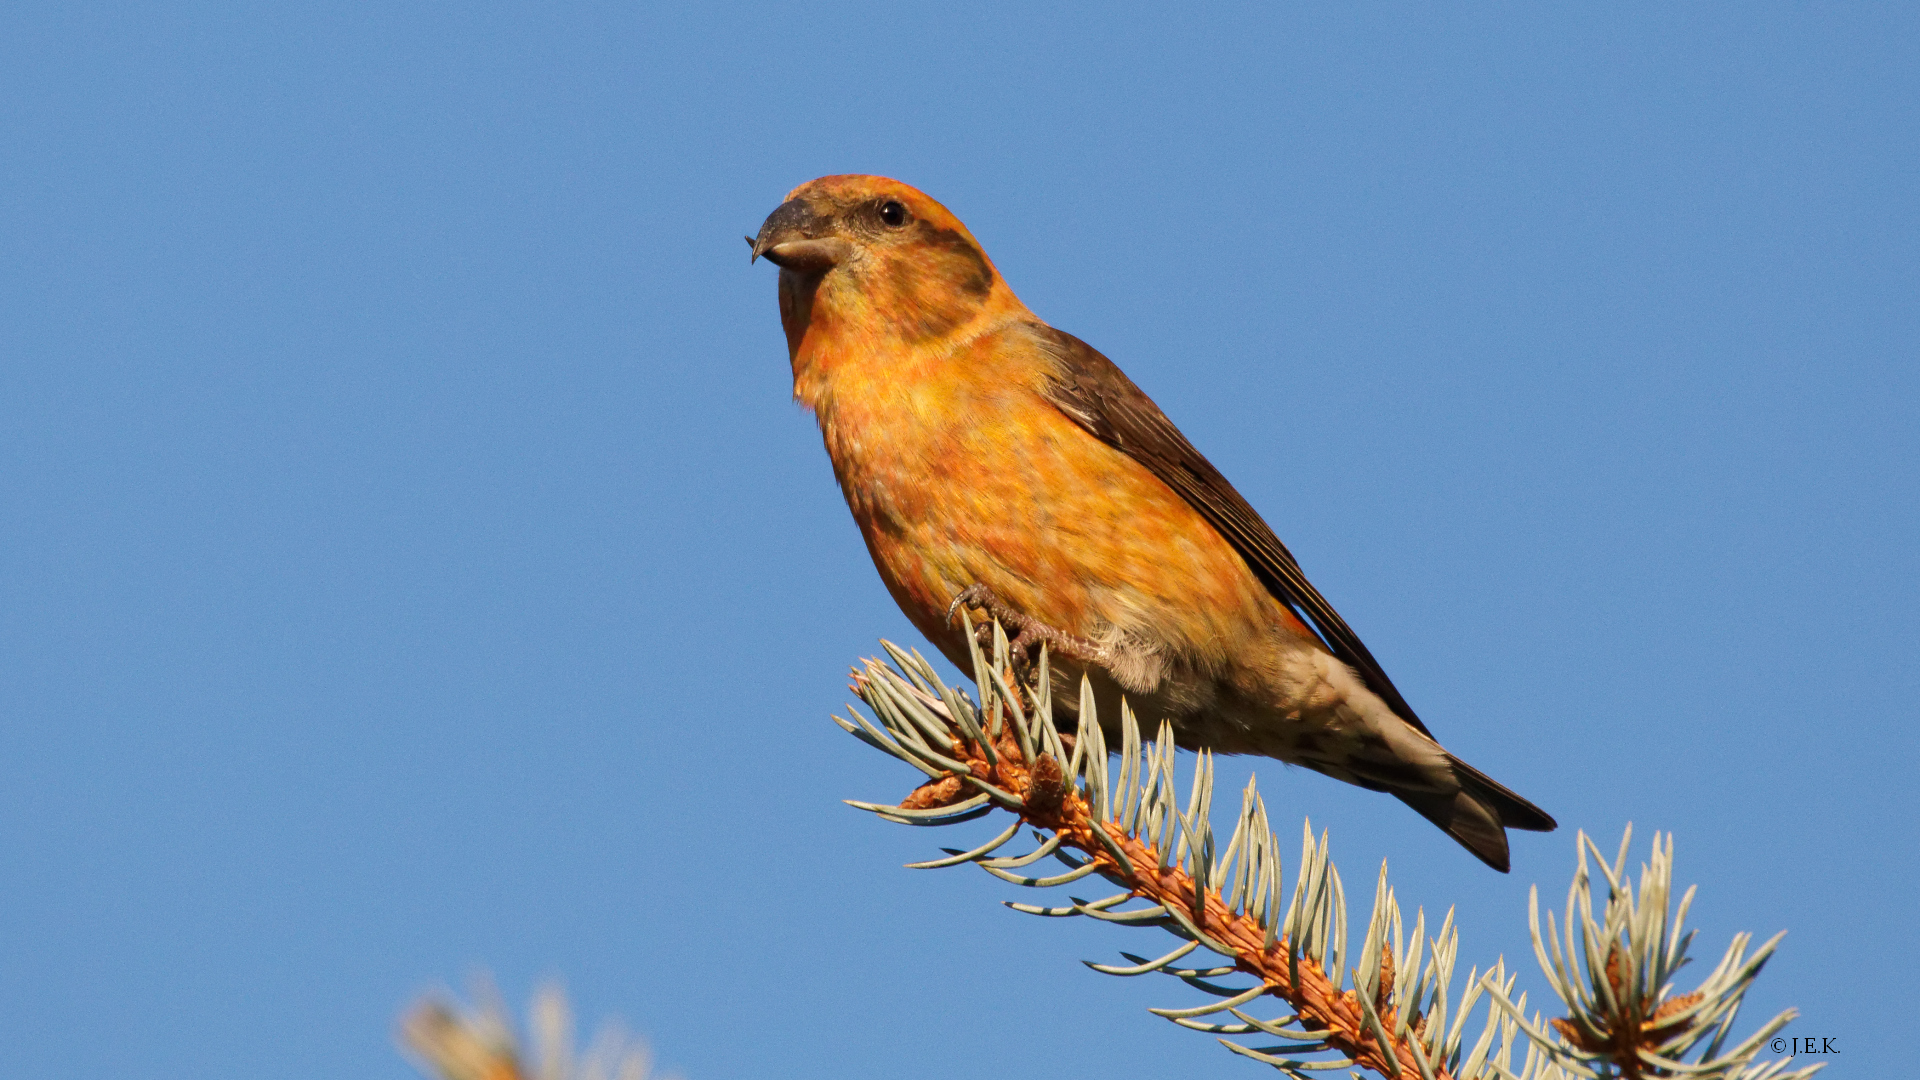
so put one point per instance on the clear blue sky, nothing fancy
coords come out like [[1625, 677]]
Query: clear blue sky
[[411, 559]]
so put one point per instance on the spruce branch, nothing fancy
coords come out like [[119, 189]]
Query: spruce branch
[[1388, 1007]]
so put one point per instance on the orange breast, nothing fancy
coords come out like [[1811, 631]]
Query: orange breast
[[959, 471]]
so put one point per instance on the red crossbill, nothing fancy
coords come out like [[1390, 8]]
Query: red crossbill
[[992, 460]]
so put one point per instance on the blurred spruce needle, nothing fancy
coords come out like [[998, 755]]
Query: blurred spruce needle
[[449, 1042]]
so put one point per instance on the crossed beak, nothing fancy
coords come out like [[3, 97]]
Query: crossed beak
[[795, 238]]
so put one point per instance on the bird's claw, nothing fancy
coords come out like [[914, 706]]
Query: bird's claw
[[973, 596], [983, 598], [1029, 632]]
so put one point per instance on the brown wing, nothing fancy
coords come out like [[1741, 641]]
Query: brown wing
[[1098, 396]]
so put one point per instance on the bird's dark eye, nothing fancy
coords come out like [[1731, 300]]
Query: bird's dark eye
[[893, 214]]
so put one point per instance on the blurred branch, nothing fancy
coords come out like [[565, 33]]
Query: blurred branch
[[1388, 1007], [450, 1042]]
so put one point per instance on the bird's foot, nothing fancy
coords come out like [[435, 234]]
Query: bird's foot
[[1031, 632]]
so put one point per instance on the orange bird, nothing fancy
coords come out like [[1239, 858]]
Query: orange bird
[[993, 461]]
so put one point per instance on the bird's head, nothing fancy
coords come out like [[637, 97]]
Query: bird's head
[[873, 257]]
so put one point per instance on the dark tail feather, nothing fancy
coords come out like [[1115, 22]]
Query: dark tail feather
[[1479, 814], [1514, 811]]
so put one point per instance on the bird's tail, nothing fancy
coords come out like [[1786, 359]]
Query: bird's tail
[[1479, 814]]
